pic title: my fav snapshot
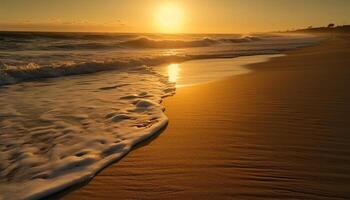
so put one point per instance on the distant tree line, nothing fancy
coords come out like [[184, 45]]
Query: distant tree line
[[331, 27]]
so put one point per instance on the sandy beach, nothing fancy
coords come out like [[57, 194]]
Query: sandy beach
[[280, 132]]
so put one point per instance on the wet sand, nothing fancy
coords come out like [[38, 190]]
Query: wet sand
[[281, 132]]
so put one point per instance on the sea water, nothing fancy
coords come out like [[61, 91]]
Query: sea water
[[72, 103]]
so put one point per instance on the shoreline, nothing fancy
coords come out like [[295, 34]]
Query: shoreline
[[188, 161]]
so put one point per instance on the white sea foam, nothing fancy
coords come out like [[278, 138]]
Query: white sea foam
[[60, 132]]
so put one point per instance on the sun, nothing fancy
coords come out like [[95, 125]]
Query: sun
[[169, 18]]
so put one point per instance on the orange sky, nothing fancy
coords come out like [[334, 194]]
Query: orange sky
[[186, 16]]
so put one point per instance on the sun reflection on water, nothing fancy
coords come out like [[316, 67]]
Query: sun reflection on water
[[174, 72]]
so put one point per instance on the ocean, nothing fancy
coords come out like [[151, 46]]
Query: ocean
[[72, 103]]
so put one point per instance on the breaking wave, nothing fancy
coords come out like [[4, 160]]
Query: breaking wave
[[32, 71], [31, 56], [144, 42], [149, 43]]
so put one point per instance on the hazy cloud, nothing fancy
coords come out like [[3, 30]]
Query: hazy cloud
[[56, 24]]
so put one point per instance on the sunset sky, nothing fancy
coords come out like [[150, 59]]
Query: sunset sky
[[176, 16]]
